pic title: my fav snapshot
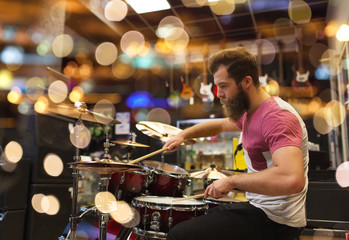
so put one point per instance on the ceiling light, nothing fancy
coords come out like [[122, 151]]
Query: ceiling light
[[141, 6]]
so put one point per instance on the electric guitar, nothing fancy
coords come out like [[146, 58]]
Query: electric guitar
[[174, 99], [187, 92], [206, 89]]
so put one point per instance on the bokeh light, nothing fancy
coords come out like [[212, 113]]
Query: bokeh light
[[343, 33], [342, 174], [106, 108], [267, 48], [105, 202], [328, 56], [53, 165], [57, 91], [15, 95], [299, 11], [80, 136], [123, 213], [50, 205], [331, 29], [284, 30], [13, 152], [335, 113], [179, 42], [36, 202], [62, 45], [320, 123], [35, 87], [132, 43], [159, 115], [223, 7], [6, 78], [315, 53], [77, 94], [106, 53], [115, 10], [122, 70], [168, 27], [41, 105]]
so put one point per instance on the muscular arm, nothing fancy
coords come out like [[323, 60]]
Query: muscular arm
[[284, 178], [204, 129]]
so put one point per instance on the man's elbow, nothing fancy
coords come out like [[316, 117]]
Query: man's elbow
[[296, 185]]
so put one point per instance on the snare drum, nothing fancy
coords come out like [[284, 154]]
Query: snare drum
[[126, 185], [167, 180], [234, 196], [159, 214]]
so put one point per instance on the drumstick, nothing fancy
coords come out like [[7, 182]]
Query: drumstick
[[190, 197], [148, 155]]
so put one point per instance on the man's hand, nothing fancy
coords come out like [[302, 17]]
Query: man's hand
[[218, 188], [174, 142]]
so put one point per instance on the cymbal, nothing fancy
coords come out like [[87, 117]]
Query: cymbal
[[212, 173], [105, 166], [161, 131], [81, 113], [165, 167], [130, 143]]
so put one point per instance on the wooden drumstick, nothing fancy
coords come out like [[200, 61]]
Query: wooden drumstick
[[148, 155], [190, 197]]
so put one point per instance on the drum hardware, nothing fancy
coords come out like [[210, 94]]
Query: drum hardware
[[130, 145], [210, 173]]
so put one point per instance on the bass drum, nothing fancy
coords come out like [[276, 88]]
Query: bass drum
[[159, 214], [88, 227]]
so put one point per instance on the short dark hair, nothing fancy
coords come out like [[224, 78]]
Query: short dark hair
[[240, 63]]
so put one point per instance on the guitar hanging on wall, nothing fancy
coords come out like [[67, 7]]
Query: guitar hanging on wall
[[174, 99], [187, 92], [300, 82], [206, 89]]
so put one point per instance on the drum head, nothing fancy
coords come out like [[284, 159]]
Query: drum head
[[165, 167], [164, 202]]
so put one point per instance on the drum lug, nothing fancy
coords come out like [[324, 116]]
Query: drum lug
[[119, 194], [170, 222], [188, 183], [122, 179], [149, 179], [155, 221], [145, 219]]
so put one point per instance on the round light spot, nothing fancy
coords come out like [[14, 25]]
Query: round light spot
[[106, 53], [342, 174], [13, 152], [159, 115], [223, 7], [57, 91], [105, 108], [299, 11], [35, 87], [36, 202], [115, 10], [62, 45], [284, 30], [80, 136], [53, 205], [123, 213], [132, 43], [105, 202], [320, 123], [53, 165]]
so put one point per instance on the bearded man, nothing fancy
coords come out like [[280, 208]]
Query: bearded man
[[275, 142]]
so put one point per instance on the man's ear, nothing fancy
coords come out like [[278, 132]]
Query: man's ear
[[247, 82]]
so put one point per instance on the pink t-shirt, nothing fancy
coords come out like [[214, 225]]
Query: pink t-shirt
[[275, 124], [268, 128]]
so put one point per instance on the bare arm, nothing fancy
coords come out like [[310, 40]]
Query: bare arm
[[204, 129], [284, 178]]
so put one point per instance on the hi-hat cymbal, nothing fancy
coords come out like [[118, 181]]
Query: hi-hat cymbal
[[130, 143], [212, 173], [81, 113], [105, 166], [161, 131]]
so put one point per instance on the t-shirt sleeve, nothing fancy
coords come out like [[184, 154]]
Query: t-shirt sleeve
[[282, 129]]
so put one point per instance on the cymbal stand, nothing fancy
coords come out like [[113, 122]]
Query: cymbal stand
[[73, 220], [103, 217], [106, 145], [130, 149]]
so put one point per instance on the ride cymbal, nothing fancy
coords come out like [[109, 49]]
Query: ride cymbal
[[130, 143], [81, 113], [161, 131]]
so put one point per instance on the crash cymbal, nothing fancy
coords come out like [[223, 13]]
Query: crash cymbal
[[165, 167], [161, 131], [130, 143], [82, 113], [105, 166], [212, 173]]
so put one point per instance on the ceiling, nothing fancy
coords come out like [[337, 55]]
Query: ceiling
[[249, 20]]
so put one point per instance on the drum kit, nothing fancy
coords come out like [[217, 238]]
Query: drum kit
[[154, 188]]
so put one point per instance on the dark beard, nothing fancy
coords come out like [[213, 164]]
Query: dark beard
[[234, 108]]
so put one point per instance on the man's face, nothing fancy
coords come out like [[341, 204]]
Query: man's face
[[233, 97]]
